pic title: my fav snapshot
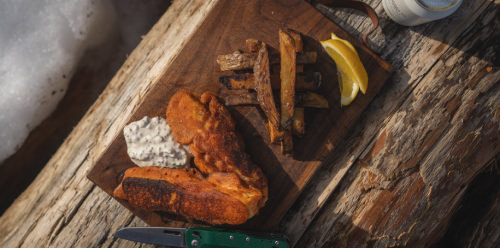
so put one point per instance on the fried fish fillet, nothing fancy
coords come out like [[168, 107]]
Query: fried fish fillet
[[215, 144], [227, 187], [220, 198]]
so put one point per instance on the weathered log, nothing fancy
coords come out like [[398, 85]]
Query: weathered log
[[477, 221], [93, 73], [410, 158], [62, 208], [420, 144]]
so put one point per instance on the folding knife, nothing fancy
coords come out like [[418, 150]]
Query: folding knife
[[198, 237]]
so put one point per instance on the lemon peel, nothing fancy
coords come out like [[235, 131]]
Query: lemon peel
[[350, 70]]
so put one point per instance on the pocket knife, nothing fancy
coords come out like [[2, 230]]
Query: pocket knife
[[199, 237]]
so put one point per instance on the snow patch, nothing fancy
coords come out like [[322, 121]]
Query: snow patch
[[41, 43]]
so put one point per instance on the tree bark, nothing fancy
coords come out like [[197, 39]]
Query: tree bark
[[421, 143], [94, 71], [62, 208], [477, 221], [400, 177]]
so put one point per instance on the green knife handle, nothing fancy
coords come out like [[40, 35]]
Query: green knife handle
[[198, 237]]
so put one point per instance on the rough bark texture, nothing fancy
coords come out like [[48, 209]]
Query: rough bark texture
[[477, 223], [411, 167], [62, 208], [421, 143]]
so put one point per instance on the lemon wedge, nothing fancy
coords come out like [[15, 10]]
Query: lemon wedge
[[350, 70]]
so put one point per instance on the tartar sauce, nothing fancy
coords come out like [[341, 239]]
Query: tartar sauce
[[150, 143]]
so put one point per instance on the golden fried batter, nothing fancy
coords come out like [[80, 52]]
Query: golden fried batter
[[216, 146], [230, 188], [219, 199]]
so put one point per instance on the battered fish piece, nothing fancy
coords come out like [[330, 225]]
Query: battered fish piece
[[220, 198], [227, 187], [215, 144]]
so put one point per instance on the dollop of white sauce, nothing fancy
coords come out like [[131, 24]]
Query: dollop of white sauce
[[150, 143]]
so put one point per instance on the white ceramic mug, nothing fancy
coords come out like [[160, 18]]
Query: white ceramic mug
[[415, 12]]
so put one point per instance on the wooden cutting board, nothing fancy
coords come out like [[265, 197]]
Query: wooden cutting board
[[223, 31]]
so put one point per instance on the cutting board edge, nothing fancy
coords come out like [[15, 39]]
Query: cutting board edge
[[385, 65]]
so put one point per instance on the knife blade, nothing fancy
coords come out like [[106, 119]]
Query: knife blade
[[154, 235], [199, 237]]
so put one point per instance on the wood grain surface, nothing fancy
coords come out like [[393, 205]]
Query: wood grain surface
[[94, 71], [445, 71], [403, 146], [225, 30], [61, 207]]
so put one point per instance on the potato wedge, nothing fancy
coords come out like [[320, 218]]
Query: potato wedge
[[303, 81], [239, 81], [299, 46], [287, 75], [287, 96], [302, 99], [236, 61], [249, 98], [242, 61], [262, 78]]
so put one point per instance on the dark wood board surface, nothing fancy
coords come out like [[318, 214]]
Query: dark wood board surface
[[225, 30]]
